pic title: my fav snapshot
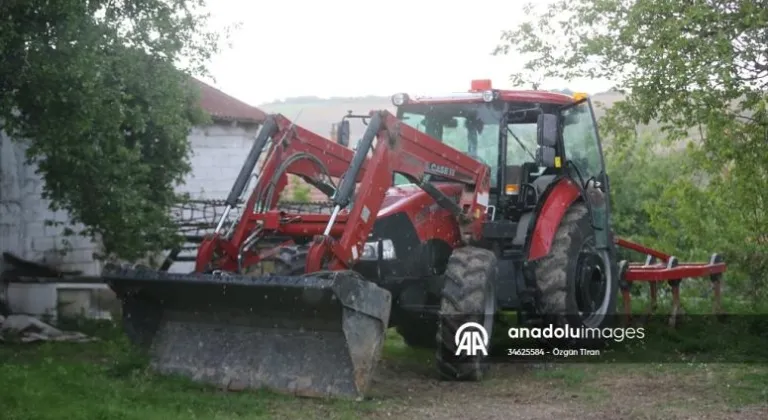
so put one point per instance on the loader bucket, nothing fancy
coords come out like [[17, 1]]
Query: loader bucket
[[315, 335]]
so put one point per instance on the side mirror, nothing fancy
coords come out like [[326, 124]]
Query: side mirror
[[546, 138], [342, 133], [546, 130]]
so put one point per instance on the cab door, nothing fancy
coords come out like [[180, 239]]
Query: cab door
[[583, 150]]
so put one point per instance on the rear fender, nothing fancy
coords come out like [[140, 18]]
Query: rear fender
[[555, 201]]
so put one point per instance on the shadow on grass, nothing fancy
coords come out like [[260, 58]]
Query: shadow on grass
[[698, 338], [108, 379], [396, 351], [733, 338], [731, 352]]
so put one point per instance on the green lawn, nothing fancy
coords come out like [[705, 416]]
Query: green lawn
[[106, 380]]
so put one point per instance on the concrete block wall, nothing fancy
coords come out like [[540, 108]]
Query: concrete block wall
[[23, 213], [218, 153]]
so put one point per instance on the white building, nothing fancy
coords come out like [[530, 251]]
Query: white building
[[218, 153]]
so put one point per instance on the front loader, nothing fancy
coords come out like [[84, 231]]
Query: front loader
[[452, 209]]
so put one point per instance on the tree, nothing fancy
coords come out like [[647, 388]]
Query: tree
[[301, 192], [100, 91], [697, 68]]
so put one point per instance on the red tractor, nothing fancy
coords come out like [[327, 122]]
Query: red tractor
[[455, 208]]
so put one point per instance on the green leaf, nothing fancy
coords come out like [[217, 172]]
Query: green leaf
[[100, 91], [695, 74]]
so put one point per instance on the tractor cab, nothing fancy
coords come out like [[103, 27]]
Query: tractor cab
[[504, 129], [543, 151]]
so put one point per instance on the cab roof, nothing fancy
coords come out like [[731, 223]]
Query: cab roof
[[482, 91]]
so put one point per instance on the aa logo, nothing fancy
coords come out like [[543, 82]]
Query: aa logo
[[470, 339]]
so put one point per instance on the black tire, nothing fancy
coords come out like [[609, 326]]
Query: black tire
[[468, 296], [419, 331], [572, 265]]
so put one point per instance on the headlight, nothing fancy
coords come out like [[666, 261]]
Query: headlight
[[371, 250], [399, 99], [488, 96]]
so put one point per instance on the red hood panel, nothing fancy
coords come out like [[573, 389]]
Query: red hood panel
[[404, 196]]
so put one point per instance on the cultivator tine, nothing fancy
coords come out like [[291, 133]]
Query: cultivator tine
[[316, 335], [626, 289], [716, 280], [675, 285], [653, 289]]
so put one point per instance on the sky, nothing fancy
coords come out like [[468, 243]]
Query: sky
[[354, 48]]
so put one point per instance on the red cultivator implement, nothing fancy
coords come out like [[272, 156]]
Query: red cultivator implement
[[660, 267]]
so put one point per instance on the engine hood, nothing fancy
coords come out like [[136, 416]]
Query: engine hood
[[408, 196]]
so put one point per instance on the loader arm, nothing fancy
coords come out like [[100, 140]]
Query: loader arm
[[292, 150], [316, 158], [399, 149]]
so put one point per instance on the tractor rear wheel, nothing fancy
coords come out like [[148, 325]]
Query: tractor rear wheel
[[468, 296], [576, 281]]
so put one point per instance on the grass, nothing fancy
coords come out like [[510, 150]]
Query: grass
[[100, 381], [107, 380], [395, 349]]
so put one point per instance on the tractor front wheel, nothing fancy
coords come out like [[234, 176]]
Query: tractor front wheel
[[576, 281], [468, 296]]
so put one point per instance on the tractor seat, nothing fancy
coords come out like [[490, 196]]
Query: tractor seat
[[542, 182], [518, 174]]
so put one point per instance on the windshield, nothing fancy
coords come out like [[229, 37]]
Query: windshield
[[473, 129], [470, 128], [521, 143]]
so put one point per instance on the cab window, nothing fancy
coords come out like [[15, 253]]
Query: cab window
[[580, 140], [469, 128]]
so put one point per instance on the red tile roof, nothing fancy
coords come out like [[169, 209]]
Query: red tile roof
[[224, 107]]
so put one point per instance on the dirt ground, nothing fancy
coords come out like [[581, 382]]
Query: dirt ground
[[565, 392], [86, 381]]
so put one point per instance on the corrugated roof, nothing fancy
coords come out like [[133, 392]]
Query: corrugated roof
[[224, 107]]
